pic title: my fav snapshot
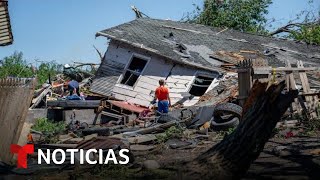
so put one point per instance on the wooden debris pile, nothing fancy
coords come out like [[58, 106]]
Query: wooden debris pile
[[50, 93]]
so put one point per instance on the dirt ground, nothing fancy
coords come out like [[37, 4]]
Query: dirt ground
[[282, 158]]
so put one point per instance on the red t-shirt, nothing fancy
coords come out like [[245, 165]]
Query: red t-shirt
[[162, 93]]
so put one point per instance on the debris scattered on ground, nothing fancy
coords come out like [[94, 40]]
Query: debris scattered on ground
[[102, 122]]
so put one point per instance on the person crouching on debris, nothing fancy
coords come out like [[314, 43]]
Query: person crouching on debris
[[162, 94], [73, 87]]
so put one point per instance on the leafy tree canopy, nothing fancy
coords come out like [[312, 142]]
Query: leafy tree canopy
[[16, 66], [250, 16], [305, 27], [242, 15]]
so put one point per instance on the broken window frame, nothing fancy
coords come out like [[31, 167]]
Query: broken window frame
[[126, 69], [197, 74]]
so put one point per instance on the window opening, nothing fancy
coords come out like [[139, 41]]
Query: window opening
[[200, 85], [133, 71]]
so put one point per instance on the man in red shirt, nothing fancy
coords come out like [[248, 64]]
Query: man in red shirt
[[162, 94]]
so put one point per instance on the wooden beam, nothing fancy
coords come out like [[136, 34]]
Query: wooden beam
[[244, 80], [74, 103], [156, 128], [264, 70], [112, 115], [38, 99], [317, 93], [312, 102]]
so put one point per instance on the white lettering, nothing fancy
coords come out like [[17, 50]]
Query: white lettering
[[72, 154], [100, 156], [54, 156], [121, 154], [43, 156], [112, 158], [81, 156], [58, 156], [88, 156]]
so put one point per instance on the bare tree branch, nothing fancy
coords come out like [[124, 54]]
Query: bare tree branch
[[289, 27], [100, 54]]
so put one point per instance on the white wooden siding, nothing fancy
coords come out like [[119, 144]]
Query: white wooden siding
[[142, 93]]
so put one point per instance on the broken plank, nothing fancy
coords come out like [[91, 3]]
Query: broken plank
[[74, 103], [263, 70], [38, 99], [291, 84], [312, 103], [317, 93], [137, 147], [159, 127], [138, 139]]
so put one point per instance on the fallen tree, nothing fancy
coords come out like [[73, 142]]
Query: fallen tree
[[232, 157]]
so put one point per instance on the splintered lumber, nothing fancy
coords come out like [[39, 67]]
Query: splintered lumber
[[232, 157], [142, 139], [264, 70], [312, 102], [38, 99], [137, 139], [15, 98], [103, 131], [291, 84], [74, 103], [156, 128]]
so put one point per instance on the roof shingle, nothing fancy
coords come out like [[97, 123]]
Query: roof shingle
[[200, 45]]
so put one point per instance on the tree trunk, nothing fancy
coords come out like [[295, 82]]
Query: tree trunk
[[231, 158]]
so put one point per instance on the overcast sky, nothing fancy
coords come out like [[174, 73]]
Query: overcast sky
[[65, 30]]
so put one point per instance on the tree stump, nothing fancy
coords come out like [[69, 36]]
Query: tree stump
[[232, 157]]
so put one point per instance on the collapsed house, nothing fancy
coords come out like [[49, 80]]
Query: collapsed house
[[190, 57]]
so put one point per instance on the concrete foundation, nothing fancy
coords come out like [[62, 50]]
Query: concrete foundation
[[85, 115]]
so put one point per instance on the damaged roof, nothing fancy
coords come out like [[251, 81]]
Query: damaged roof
[[6, 37], [208, 47]]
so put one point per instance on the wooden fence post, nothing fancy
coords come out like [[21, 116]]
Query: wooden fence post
[[244, 80]]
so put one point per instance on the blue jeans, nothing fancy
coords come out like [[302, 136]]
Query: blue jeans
[[163, 106]]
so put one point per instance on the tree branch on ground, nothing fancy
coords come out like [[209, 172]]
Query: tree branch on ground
[[232, 157]]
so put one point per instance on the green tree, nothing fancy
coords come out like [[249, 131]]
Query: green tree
[[46, 68], [16, 66], [305, 27], [307, 33], [242, 15]]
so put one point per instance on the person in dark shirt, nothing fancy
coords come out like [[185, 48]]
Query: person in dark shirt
[[73, 87]]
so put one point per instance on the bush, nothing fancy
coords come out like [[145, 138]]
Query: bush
[[172, 132], [48, 127]]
